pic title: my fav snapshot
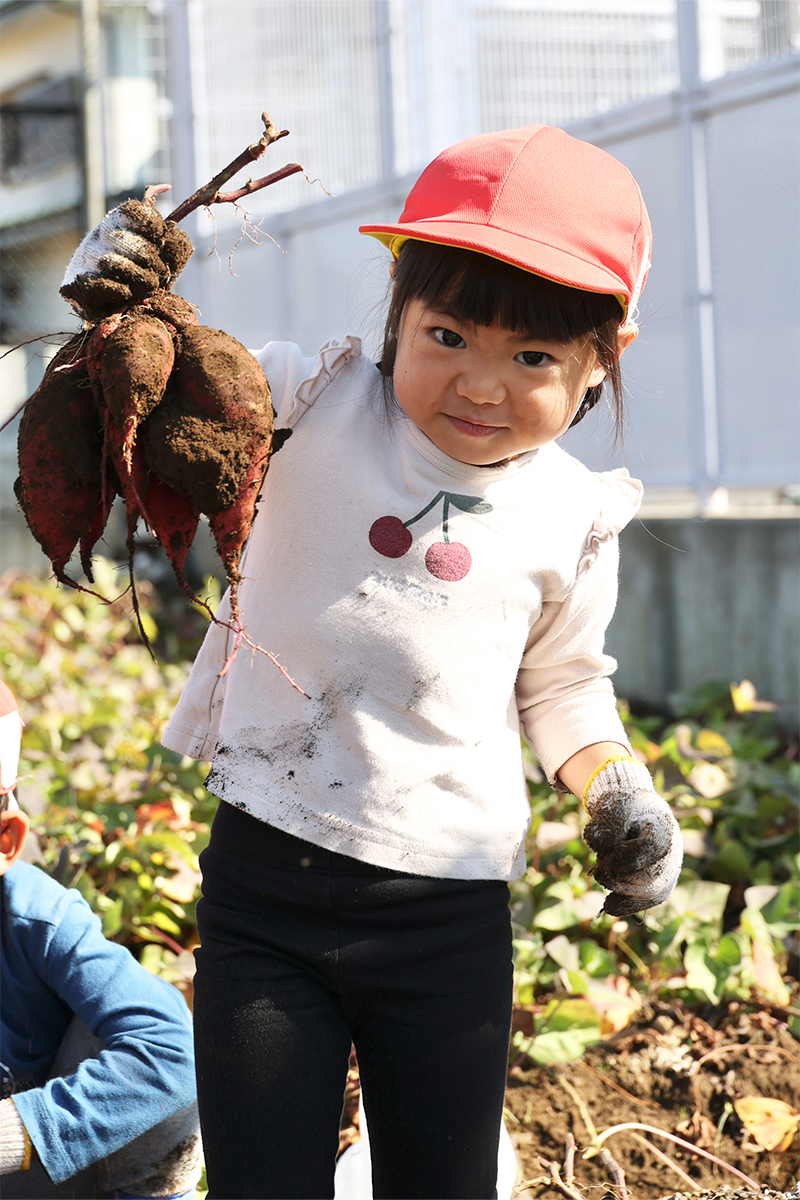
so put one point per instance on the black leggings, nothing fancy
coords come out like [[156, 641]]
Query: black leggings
[[304, 950]]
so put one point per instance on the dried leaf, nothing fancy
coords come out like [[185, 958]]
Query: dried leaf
[[181, 887], [709, 780], [745, 699], [772, 1123], [552, 834], [768, 977], [616, 1010], [162, 810], [698, 1129], [713, 744]]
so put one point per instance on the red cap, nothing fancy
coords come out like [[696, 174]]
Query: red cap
[[10, 737], [539, 199]]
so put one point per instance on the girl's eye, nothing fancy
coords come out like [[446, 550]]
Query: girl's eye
[[448, 338], [533, 358]]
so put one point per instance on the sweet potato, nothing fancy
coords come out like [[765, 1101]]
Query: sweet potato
[[231, 526], [109, 488], [174, 519], [60, 457], [131, 470], [222, 378], [173, 416], [137, 360], [205, 458], [174, 311], [210, 438]]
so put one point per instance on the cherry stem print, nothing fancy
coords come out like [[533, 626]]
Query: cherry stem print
[[447, 560]]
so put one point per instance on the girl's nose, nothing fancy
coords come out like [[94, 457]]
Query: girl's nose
[[481, 386]]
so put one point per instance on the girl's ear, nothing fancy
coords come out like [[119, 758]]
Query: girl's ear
[[13, 833], [625, 337], [597, 376]]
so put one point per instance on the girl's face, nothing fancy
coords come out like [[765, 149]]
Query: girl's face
[[484, 394]]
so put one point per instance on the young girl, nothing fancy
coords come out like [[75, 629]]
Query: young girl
[[435, 573]]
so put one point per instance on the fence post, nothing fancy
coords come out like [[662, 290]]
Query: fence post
[[700, 300], [94, 182]]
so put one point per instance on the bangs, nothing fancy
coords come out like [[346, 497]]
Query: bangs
[[477, 289]]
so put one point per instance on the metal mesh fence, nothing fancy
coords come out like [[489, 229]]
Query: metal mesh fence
[[736, 34], [312, 64], [31, 271], [40, 128], [136, 112], [380, 86], [374, 87], [553, 65]]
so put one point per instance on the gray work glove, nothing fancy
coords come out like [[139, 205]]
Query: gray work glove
[[132, 254], [635, 836]]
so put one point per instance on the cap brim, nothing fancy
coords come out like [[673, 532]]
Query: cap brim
[[536, 257]]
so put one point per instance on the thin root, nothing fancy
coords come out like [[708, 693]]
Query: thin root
[[617, 1172], [251, 229], [568, 1189], [62, 577], [234, 626], [569, 1160], [321, 184], [242, 636], [665, 1158], [671, 1137], [134, 597]]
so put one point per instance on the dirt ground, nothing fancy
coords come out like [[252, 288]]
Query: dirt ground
[[675, 1071]]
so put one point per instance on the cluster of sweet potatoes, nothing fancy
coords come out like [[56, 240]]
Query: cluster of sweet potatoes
[[147, 404]]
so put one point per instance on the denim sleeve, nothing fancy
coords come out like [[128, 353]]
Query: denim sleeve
[[146, 1072]]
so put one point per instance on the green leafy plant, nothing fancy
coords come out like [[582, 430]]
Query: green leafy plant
[[113, 813], [733, 781], [124, 820]]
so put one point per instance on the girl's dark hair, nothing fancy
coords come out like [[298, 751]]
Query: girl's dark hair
[[477, 289]]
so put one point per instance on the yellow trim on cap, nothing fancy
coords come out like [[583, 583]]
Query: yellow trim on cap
[[614, 758]]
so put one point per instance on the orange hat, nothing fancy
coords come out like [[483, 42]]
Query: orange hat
[[539, 199], [10, 737]]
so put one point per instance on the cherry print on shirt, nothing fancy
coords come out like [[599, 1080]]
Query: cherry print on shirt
[[447, 560]]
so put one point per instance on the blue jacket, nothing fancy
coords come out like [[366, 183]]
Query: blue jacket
[[54, 961]]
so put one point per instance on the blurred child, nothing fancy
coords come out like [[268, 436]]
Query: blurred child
[[98, 1087]]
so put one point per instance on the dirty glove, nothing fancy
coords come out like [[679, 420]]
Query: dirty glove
[[132, 254], [635, 836]]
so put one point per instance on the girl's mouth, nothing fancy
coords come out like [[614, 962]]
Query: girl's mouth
[[471, 429]]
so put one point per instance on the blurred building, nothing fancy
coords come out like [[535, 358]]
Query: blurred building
[[700, 99]]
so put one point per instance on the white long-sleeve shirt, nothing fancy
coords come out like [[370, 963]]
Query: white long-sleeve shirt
[[405, 750]]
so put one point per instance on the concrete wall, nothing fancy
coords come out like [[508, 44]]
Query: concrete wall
[[709, 599]]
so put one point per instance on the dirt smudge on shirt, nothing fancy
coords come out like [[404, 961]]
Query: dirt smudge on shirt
[[291, 743]]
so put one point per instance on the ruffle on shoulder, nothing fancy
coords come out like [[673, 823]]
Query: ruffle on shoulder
[[621, 499], [330, 360]]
